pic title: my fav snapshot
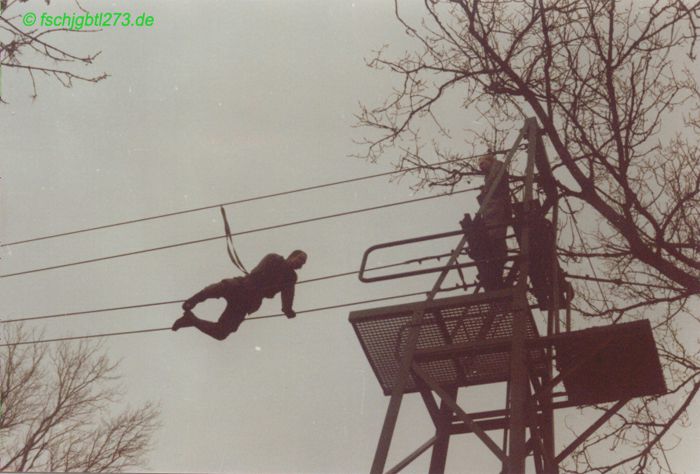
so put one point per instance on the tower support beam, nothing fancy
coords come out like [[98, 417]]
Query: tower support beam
[[438, 458]]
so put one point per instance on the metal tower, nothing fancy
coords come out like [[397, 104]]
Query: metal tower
[[437, 346]]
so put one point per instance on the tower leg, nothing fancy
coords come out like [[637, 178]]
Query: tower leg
[[438, 458], [519, 379], [548, 434], [519, 387]]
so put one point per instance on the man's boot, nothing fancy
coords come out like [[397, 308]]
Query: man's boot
[[186, 320]]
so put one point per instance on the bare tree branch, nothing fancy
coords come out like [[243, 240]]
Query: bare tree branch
[[37, 51], [56, 405], [605, 80]]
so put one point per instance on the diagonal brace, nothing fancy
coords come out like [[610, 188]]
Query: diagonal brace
[[591, 429], [461, 414], [413, 456]]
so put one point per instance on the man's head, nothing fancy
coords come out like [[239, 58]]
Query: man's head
[[485, 162], [297, 259]]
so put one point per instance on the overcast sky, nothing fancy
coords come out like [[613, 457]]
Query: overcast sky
[[218, 101]]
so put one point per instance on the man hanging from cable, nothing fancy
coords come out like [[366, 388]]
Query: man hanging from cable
[[274, 274]]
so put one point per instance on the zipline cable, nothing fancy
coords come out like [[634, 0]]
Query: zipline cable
[[139, 331], [250, 231], [162, 303], [620, 281], [239, 201]]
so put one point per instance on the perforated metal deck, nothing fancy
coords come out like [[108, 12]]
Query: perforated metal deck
[[383, 332]]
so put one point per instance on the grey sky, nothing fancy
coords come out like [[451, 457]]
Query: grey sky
[[222, 100]]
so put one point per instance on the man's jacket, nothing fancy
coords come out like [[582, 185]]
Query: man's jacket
[[496, 213], [271, 276]]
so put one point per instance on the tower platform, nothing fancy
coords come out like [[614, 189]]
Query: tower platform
[[481, 321], [465, 340]]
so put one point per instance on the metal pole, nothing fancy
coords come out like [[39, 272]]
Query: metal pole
[[519, 374], [553, 327], [504, 466], [438, 457]]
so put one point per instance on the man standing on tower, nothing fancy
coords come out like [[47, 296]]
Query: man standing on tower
[[488, 247]]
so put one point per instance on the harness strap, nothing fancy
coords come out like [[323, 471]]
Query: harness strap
[[229, 244]]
